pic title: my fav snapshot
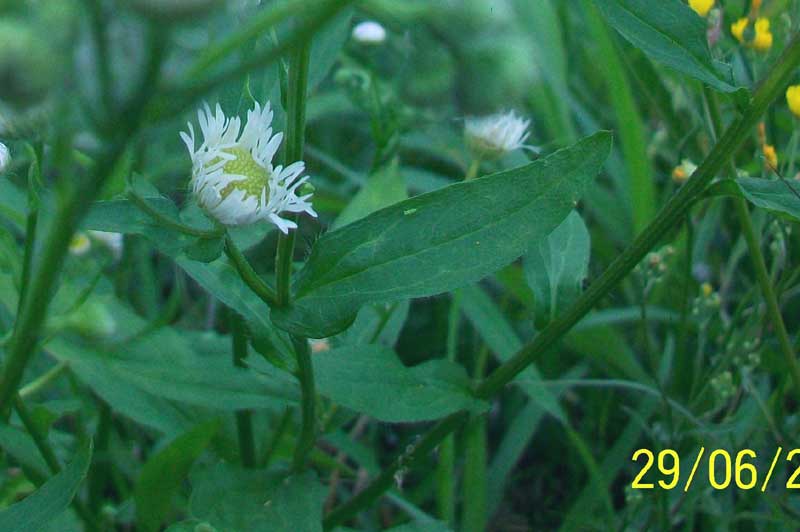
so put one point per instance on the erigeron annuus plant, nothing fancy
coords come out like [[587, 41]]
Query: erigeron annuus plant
[[392, 350]]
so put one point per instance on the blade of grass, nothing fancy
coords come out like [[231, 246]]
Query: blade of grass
[[629, 122]]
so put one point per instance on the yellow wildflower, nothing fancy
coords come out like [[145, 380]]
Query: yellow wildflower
[[770, 155], [738, 27], [762, 36], [793, 99], [763, 39], [707, 289], [701, 7]]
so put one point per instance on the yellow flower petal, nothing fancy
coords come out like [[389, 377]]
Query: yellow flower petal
[[701, 7], [793, 99]]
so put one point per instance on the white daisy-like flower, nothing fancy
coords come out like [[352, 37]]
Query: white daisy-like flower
[[491, 137], [5, 158], [369, 32], [233, 178]]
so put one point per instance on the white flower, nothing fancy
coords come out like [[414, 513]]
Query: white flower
[[80, 244], [233, 178], [5, 158], [112, 240], [491, 137], [369, 32]]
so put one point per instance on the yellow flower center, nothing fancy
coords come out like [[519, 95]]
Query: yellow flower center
[[256, 176]]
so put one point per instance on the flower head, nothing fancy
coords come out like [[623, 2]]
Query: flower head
[[701, 7], [762, 36], [738, 27], [491, 137], [683, 171], [369, 32], [5, 157], [80, 244], [770, 155], [233, 178], [793, 99], [763, 39]]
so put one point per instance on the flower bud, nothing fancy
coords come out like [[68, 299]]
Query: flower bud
[[369, 32]]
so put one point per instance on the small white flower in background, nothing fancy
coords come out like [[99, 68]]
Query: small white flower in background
[[491, 137], [5, 158], [111, 240], [369, 32], [233, 178], [80, 244]]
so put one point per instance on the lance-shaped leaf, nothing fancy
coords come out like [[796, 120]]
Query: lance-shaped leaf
[[670, 32], [49, 501], [774, 195], [556, 267], [438, 241]]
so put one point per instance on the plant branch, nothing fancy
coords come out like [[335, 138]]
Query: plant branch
[[258, 285], [244, 421]]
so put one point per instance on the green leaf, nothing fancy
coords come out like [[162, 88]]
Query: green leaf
[[556, 267], [18, 443], [670, 32], [49, 501], [774, 195], [373, 381], [438, 241], [163, 474], [382, 189], [234, 499]]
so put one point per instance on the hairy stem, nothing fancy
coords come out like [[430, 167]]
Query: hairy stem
[[244, 421], [258, 285]]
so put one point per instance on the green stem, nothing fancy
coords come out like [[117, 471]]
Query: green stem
[[44, 381], [69, 213], [757, 258], [474, 514], [385, 480], [293, 151], [472, 171], [99, 41], [671, 215], [305, 374], [244, 421], [297, 89], [167, 222], [446, 467], [767, 290], [258, 285]]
